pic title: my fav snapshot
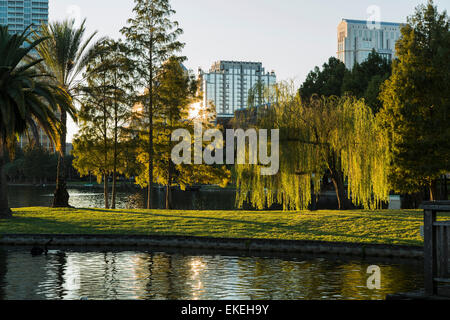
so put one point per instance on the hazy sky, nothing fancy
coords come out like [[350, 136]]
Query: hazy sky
[[287, 36]]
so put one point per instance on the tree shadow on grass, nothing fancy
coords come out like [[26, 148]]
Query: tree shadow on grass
[[34, 225], [271, 227]]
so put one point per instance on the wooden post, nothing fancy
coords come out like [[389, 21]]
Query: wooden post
[[430, 252], [443, 264]]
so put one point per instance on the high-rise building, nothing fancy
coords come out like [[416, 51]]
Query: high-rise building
[[18, 15], [227, 84], [357, 39], [44, 140]]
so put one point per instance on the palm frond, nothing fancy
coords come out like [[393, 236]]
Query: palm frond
[[28, 95]]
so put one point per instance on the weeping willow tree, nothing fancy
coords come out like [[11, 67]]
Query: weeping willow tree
[[335, 136]]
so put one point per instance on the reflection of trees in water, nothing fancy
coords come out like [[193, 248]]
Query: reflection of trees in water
[[161, 276], [126, 199], [25, 276], [110, 272], [60, 276], [142, 275], [147, 260], [152, 273], [395, 279], [320, 279], [174, 276], [90, 275], [353, 282], [282, 279]]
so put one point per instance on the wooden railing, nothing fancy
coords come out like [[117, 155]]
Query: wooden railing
[[436, 248]]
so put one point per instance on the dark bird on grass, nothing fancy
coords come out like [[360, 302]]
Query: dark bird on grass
[[38, 251]]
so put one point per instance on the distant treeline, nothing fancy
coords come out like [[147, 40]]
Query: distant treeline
[[37, 165]]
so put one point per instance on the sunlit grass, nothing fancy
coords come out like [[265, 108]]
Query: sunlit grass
[[387, 227]]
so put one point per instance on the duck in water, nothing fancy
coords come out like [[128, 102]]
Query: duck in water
[[37, 251]]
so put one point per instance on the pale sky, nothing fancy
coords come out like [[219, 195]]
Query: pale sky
[[290, 37]]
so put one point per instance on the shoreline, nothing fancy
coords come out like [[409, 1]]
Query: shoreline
[[234, 244], [131, 187]]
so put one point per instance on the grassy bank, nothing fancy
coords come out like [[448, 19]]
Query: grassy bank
[[384, 227]]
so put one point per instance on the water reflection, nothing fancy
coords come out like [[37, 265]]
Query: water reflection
[[94, 274], [207, 199]]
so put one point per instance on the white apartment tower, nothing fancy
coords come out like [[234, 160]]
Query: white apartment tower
[[357, 38], [228, 82]]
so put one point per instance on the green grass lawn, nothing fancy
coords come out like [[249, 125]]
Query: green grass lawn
[[386, 227]]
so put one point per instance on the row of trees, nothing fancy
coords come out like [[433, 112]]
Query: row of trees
[[378, 128], [62, 53], [337, 137], [356, 127], [29, 97], [99, 146], [135, 94], [363, 81], [45, 75], [411, 95], [35, 165], [382, 126], [416, 104]]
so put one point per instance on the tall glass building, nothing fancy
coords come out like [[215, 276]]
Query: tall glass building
[[18, 15], [227, 84]]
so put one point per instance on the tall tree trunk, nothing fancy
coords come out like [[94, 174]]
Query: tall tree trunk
[[433, 191], [5, 211], [60, 277], [105, 149], [114, 181], [150, 124], [169, 188], [168, 197], [105, 190], [169, 170], [113, 200], [105, 143], [313, 206], [150, 151], [105, 175], [61, 197], [337, 177], [339, 187], [150, 164]]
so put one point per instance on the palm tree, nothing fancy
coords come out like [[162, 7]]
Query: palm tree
[[65, 56], [27, 99]]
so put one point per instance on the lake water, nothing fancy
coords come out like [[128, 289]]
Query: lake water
[[133, 198], [133, 274], [72, 274], [205, 199]]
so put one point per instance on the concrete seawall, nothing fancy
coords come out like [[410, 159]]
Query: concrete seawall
[[248, 245]]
